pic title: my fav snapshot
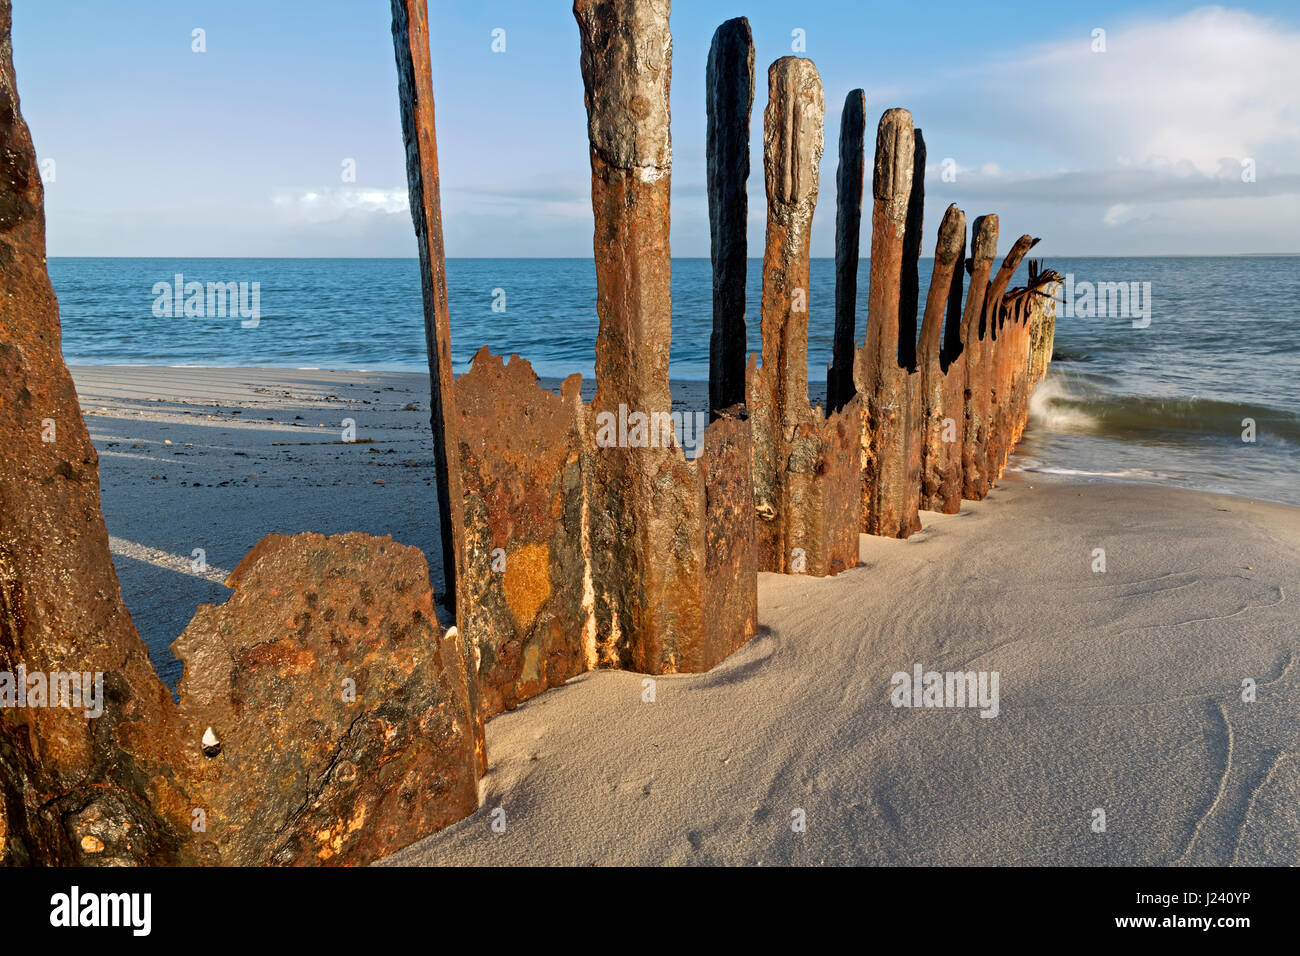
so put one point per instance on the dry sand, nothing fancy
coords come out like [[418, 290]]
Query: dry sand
[[1119, 691]]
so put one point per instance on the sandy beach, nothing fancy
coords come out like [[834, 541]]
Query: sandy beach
[[1119, 691]]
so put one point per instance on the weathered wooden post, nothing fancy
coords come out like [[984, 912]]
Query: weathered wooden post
[[1003, 357], [984, 244], [805, 482], [848, 224], [729, 98], [890, 438], [793, 142], [943, 413]]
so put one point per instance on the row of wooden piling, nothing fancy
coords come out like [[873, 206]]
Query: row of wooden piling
[[640, 558], [937, 418]]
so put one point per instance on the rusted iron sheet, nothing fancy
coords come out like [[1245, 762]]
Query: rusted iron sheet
[[848, 224], [523, 465], [327, 716], [891, 423], [943, 413], [729, 87], [984, 243]]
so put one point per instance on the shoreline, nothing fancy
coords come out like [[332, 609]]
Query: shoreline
[[689, 394]]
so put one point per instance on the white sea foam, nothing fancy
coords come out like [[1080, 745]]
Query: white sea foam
[[1048, 409], [1081, 473]]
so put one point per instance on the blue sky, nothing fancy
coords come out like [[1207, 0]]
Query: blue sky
[[158, 150]]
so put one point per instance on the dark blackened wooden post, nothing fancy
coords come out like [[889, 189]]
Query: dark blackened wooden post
[[848, 224], [729, 97], [909, 288], [952, 342]]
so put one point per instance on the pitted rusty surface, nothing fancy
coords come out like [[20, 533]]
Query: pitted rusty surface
[[340, 706], [730, 581], [523, 468]]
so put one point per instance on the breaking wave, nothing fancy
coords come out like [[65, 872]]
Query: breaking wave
[[1059, 406]]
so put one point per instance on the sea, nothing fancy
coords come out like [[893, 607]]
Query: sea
[[1181, 372]]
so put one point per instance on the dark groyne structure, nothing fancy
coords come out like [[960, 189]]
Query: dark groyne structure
[[325, 716]]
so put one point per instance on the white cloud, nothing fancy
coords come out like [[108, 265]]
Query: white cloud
[[1155, 134], [1211, 85], [319, 205]]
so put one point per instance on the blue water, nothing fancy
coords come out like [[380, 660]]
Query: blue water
[[1163, 403]]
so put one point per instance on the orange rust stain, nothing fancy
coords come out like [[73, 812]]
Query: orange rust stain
[[527, 582]]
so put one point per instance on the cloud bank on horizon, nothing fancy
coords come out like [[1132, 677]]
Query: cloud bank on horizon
[[1173, 135]]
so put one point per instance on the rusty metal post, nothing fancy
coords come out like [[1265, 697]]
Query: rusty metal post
[[415, 93], [729, 98], [848, 224], [415, 90], [626, 72]]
